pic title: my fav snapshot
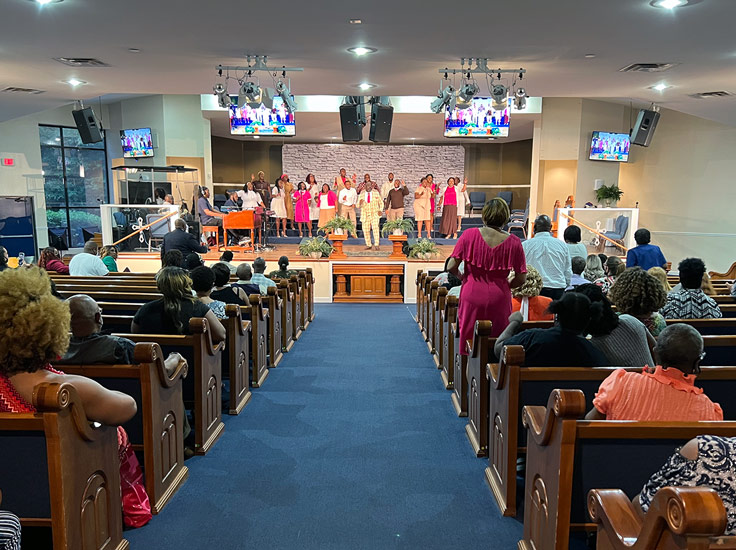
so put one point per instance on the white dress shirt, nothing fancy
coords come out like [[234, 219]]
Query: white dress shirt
[[87, 265], [250, 199], [348, 197], [551, 257]]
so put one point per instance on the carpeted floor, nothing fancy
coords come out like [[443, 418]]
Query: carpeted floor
[[352, 443]]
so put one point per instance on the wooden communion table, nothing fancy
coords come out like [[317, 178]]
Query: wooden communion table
[[368, 282]]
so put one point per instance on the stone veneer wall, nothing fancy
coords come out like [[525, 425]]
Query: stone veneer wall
[[407, 162]]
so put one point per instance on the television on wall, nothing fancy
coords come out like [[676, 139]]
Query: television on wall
[[245, 120], [137, 143], [480, 120], [609, 146]]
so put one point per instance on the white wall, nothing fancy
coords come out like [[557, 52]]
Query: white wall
[[684, 183]]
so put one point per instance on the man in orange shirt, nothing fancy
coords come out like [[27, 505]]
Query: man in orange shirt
[[668, 392]]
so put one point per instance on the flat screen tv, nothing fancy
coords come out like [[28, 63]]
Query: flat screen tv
[[137, 143], [245, 120], [480, 120], [609, 146]]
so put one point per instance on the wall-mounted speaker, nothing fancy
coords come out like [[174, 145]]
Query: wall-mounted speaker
[[352, 120], [644, 127], [90, 129], [381, 118]]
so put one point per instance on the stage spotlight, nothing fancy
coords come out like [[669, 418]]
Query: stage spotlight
[[223, 98], [520, 99], [252, 94], [285, 95], [466, 94], [500, 94], [445, 98], [267, 95]]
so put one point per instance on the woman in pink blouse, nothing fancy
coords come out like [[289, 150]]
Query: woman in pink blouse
[[301, 208], [448, 224]]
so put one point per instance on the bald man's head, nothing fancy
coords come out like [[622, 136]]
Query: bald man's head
[[90, 247], [542, 223], [86, 315], [679, 346]]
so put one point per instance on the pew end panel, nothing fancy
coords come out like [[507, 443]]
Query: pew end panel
[[449, 318], [235, 358], [297, 312], [258, 316], [477, 427], [438, 340], [431, 316], [460, 375], [287, 316], [275, 327]]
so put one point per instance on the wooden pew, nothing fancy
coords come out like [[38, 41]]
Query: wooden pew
[[678, 518], [287, 315], [448, 317], [61, 472], [115, 296], [203, 388], [460, 373], [157, 427], [296, 311], [566, 457], [438, 340], [513, 386], [427, 291], [430, 311], [119, 308], [257, 313], [275, 326], [306, 280], [235, 358], [421, 275]]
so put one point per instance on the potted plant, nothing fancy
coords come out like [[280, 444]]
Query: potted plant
[[424, 249], [608, 195], [397, 227], [315, 248], [338, 226]]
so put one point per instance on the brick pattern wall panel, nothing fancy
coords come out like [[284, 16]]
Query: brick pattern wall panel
[[407, 162]]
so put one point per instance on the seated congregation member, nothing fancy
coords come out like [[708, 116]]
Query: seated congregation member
[[733, 289], [223, 291], [603, 258], [623, 339], [87, 263], [661, 275], [203, 282], [259, 268], [572, 238], [526, 298], [283, 272], [489, 254], [244, 283], [9, 531], [613, 268], [690, 302], [578, 267], [645, 255], [563, 344], [173, 258], [666, 393], [180, 239], [453, 285], [50, 260], [227, 258], [593, 268], [171, 314], [192, 260], [4, 258], [639, 294], [109, 254], [706, 461], [550, 257]]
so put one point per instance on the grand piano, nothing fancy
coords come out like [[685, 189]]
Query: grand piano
[[240, 220]]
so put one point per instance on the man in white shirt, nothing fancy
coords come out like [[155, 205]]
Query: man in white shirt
[[387, 186], [87, 263], [549, 256], [347, 199]]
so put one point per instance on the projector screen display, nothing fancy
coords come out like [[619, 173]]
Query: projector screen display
[[479, 120], [262, 121], [610, 147], [136, 143]]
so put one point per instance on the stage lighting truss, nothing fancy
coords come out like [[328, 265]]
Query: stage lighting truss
[[250, 91], [501, 83]]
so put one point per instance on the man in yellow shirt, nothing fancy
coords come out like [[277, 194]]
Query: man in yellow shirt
[[371, 206]]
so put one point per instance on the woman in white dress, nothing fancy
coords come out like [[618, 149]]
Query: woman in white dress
[[313, 189], [462, 201], [278, 196], [253, 201]]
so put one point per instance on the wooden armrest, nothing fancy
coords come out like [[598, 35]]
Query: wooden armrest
[[151, 353], [54, 397], [562, 404]]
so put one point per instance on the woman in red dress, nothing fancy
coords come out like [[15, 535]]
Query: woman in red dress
[[489, 254]]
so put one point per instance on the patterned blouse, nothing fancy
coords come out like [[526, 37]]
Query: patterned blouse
[[690, 303], [714, 468], [218, 308]]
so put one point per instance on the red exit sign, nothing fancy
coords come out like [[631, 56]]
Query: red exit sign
[[8, 162]]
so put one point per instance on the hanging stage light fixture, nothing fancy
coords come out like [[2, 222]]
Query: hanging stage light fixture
[[466, 94], [520, 99], [285, 94], [445, 98], [500, 95], [223, 98]]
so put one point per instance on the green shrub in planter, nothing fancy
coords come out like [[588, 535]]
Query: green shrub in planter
[[608, 194], [424, 248], [339, 223], [405, 225], [315, 245]]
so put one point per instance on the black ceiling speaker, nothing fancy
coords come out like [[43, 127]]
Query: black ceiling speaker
[[90, 129], [381, 117], [352, 118], [644, 127]]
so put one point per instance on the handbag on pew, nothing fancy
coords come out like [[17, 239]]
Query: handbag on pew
[[136, 505]]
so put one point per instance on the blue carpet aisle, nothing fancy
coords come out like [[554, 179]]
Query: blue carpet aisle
[[351, 443]]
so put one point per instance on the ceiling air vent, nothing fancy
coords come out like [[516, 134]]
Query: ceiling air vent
[[81, 61], [647, 67], [707, 95], [16, 90]]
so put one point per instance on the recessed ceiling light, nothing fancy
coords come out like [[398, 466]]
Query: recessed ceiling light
[[134, 50], [256, 137], [492, 138], [44, 2], [355, 21], [74, 82], [589, 55], [366, 85], [672, 4], [660, 87], [362, 50]]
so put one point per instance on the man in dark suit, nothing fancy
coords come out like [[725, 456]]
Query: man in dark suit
[[180, 239]]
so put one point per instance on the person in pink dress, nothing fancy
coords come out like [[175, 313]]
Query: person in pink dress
[[301, 208], [489, 254]]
